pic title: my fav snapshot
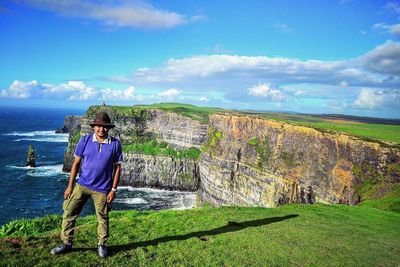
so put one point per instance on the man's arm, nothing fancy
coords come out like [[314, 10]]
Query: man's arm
[[117, 174], [72, 176]]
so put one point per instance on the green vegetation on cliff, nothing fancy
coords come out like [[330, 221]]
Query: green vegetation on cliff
[[262, 149], [75, 137], [291, 235], [154, 148], [214, 137], [378, 189]]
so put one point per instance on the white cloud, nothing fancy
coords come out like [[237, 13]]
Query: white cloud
[[71, 90], [383, 59], [113, 13], [209, 72], [343, 84], [121, 95], [228, 67], [392, 29], [169, 94], [299, 92], [266, 90], [373, 99], [204, 99], [19, 89]]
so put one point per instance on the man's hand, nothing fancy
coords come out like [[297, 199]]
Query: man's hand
[[110, 196], [67, 193]]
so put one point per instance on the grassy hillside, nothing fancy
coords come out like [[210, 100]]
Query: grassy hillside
[[367, 131], [291, 235]]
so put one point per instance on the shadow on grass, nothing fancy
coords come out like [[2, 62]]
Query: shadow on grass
[[202, 235]]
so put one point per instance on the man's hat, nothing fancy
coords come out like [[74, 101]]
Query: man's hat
[[102, 119]]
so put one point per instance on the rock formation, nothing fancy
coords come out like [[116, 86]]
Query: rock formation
[[140, 170], [30, 161], [70, 122]]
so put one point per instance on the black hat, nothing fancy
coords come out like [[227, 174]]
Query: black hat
[[102, 119]]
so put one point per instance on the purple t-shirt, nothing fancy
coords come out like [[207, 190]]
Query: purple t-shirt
[[97, 162]]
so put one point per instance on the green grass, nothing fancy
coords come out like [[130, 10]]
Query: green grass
[[154, 148], [383, 132], [367, 131], [291, 235], [75, 138], [194, 112], [387, 203]]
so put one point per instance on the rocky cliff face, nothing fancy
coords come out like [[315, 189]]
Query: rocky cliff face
[[70, 122], [140, 170], [254, 161], [251, 161], [177, 130]]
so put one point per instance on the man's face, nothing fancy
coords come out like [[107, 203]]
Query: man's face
[[101, 131]]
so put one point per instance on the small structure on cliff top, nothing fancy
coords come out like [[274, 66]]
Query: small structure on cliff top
[[30, 161]]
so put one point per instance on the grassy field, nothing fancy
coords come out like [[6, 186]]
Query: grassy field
[[368, 131], [291, 235]]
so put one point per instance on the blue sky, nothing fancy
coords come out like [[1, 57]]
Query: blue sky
[[309, 56]]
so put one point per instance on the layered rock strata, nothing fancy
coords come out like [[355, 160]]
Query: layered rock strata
[[141, 170], [253, 161]]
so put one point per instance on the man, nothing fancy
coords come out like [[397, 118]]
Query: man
[[100, 156]]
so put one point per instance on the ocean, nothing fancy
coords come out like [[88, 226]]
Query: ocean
[[32, 192]]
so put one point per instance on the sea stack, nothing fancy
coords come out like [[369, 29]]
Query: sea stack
[[30, 161]]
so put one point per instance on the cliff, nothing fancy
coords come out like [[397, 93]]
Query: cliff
[[141, 170], [70, 122], [246, 159], [254, 161]]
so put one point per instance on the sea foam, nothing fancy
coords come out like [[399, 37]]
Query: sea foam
[[40, 136]]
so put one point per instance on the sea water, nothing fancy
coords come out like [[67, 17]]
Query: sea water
[[31, 192]]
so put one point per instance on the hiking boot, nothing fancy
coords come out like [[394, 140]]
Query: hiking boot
[[102, 251], [64, 248]]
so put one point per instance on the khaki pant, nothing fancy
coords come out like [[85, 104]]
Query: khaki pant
[[73, 206]]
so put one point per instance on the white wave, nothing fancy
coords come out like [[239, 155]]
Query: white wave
[[152, 190], [180, 200], [132, 201], [45, 171], [20, 167], [40, 136], [40, 171], [186, 202]]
